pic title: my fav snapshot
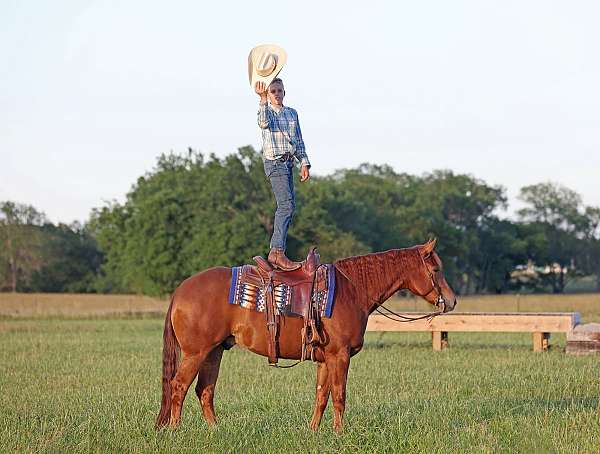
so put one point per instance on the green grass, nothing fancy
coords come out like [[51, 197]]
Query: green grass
[[80, 385]]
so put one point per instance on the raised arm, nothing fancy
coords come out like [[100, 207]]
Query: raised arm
[[261, 91]]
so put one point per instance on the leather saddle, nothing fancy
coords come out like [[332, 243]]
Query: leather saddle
[[302, 285]]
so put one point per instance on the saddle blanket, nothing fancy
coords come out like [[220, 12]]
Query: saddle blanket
[[251, 296]]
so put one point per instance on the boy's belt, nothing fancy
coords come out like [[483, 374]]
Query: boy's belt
[[285, 157]]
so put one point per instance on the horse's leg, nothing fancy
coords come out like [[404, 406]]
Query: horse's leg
[[322, 395], [207, 379], [186, 372], [337, 367]]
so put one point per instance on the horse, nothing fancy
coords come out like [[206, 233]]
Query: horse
[[201, 324]]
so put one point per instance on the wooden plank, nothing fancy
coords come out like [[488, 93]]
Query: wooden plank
[[547, 322]]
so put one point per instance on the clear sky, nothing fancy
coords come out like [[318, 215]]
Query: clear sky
[[91, 92]]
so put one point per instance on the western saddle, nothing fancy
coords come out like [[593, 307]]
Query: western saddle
[[304, 284]]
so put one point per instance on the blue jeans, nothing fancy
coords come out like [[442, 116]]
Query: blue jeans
[[282, 183]]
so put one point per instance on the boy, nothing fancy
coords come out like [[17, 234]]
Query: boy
[[282, 143]]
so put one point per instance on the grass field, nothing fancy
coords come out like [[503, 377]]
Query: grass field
[[92, 384]]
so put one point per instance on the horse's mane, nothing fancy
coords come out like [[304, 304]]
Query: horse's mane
[[373, 272]]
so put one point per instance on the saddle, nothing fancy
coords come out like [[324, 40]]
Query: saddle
[[296, 290]]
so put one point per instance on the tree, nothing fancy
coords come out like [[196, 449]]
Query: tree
[[454, 208], [20, 255], [352, 212], [70, 260], [186, 215], [569, 228], [141, 240], [500, 249], [551, 203], [191, 213], [591, 253]]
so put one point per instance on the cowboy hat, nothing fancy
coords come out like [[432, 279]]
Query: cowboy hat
[[264, 63]]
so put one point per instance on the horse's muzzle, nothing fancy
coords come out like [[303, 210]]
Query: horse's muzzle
[[444, 308]]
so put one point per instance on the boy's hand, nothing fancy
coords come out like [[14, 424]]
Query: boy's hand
[[304, 173], [261, 90]]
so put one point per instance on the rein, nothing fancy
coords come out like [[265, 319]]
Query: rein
[[405, 319]]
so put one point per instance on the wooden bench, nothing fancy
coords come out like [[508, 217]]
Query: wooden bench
[[539, 324]]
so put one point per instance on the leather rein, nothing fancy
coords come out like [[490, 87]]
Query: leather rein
[[440, 302]]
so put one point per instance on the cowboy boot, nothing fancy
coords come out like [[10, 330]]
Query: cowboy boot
[[278, 259]]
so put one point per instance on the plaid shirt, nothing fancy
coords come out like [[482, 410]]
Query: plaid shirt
[[281, 133]]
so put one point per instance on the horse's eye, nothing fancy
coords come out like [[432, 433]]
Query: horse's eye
[[436, 270]]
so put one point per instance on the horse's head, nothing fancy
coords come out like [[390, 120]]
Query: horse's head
[[429, 281]]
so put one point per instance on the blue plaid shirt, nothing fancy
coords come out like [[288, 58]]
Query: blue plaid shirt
[[281, 133]]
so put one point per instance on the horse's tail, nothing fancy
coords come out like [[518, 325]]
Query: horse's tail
[[170, 359]]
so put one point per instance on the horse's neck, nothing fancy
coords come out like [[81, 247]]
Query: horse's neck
[[378, 276]]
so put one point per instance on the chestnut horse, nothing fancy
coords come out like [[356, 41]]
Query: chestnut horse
[[202, 324]]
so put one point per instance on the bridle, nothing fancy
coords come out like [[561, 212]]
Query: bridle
[[440, 302]]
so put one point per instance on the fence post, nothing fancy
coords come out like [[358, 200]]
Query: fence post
[[439, 340], [540, 342]]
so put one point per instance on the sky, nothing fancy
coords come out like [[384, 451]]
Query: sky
[[92, 92]]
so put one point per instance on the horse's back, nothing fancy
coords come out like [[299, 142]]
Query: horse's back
[[205, 284]]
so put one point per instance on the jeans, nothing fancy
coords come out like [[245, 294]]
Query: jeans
[[282, 183]]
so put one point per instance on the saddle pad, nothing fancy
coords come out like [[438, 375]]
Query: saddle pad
[[251, 296]]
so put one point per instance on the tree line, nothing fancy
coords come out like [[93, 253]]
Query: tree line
[[192, 212]]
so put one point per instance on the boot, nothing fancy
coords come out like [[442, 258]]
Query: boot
[[278, 259]]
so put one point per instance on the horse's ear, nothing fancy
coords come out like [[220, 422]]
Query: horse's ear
[[428, 247]]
